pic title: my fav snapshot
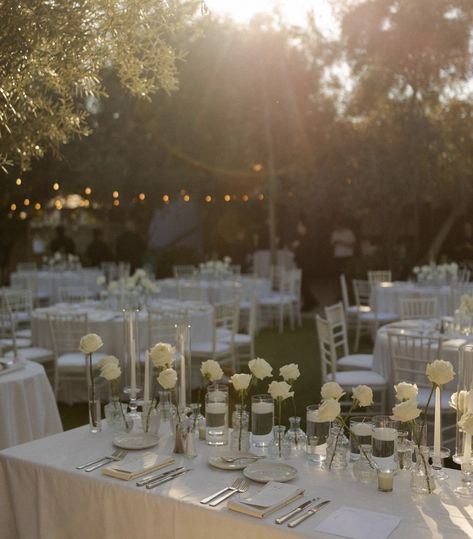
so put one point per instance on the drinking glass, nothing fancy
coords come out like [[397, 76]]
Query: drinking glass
[[319, 430], [361, 430], [384, 442], [262, 420], [216, 414]]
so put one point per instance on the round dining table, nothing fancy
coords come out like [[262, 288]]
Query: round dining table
[[28, 409]]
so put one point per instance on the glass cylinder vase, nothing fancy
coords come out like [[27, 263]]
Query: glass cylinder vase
[[262, 420], [364, 468], [278, 449], [115, 414], [216, 414], [240, 437], [166, 413], [131, 366], [93, 401], [183, 364], [317, 431], [337, 449]]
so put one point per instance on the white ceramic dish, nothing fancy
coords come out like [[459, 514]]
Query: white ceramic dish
[[265, 471], [136, 441], [245, 459]]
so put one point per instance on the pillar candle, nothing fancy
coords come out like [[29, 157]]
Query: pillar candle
[[437, 424], [146, 386]]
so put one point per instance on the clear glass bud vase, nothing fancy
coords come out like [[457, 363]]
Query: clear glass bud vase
[[115, 413], [364, 468], [240, 438], [277, 449], [295, 439], [422, 480], [196, 421], [166, 413], [338, 446]]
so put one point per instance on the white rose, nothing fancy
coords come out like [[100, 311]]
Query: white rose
[[139, 274], [405, 411], [289, 373], [167, 378], [240, 382], [466, 423], [416, 269], [110, 371], [405, 391], [440, 372], [329, 410], [113, 287], [162, 355], [90, 343], [458, 400], [280, 390], [363, 394], [331, 390], [260, 368], [108, 360], [100, 280], [211, 370]]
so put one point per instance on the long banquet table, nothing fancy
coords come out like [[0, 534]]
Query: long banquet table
[[44, 496]]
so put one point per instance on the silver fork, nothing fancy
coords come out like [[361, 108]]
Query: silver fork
[[121, 454], [113, 456], [235, 485], [236, 459], [244, 485]]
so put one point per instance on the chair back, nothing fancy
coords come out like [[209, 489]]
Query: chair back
[[28, 280], [457, 290], [162, 326], [328, 362], [463, 276], [418, 307], [410, 354], [19, 301], [362, 292], [183, 270], [230, 291], [335, 316], [66, 330], [26, 266], [344, 289], [379, 276], [277, 277]]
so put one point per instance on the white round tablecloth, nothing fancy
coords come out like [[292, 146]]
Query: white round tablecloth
[[49, 282], [28, 409], [388, 296], [250, 285]]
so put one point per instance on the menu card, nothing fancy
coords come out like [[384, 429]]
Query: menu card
[[133, 466]]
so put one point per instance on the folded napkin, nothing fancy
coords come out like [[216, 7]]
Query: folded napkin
[[133, 466]]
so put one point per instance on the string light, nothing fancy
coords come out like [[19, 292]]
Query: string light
[[258, 167], [26, 202], [115, 194], [18, 181], [86, 203], [182, 191], [208, 198], [23, 215], [56, 186], [227, 198], [245, 198], [186, 198], [88, 191], [261, 196], [37, 206], [166, 199], [58, 204], [116, 202], [13, 207], [141, 196]]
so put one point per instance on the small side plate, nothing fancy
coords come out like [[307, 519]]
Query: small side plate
[[136, 441], [217, 461], [263, 472]]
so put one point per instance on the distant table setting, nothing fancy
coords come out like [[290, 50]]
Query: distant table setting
[[28, 409], [174, 496]]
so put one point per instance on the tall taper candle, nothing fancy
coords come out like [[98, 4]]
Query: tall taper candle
[[132, 361], [182, 351], [437, 424], [466, 436], [146, 386]]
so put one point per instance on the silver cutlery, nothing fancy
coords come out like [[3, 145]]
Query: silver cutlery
[[235, 485], [307, 514], [244, 485], [294, 512], [117, 456], [167, 478], [113, 456], [236, 459], [155, 477]]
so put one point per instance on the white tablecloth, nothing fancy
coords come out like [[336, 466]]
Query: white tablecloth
[[49, 282], [27, 407], [388, 296], [44, 496]]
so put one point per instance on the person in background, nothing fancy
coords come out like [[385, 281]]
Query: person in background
[[130, 247], [62, 243], [97, 250], [343, 243], [303, 248]]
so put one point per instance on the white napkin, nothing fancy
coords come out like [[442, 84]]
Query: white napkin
[[271, 494], [357, 523]]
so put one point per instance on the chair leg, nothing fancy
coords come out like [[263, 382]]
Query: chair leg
[[281, 318], [357, 335]]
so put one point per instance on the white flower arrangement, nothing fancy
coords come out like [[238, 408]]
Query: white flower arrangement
[[466, 304], [139, 282], [436, 272], [216, 266], [62, 260]]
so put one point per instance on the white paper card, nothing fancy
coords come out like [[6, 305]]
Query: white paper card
[[271, 494], [133, 464], [359, 524]]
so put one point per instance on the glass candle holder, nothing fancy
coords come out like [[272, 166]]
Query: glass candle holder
[[319, 430], [386, 480], [361, 432], [262, 420], [216, 414], [384, 442]]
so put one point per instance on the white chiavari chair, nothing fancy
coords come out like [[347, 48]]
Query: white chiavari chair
[[379, 276], [418, 307], [457, 290], [181, 271]]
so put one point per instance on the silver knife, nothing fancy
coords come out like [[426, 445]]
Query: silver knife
[[298, 509], [154, 477], [170, 477], [307, 514]]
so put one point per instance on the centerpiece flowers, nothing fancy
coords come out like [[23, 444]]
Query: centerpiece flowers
[[211, 373], [330, 411], [439, 372], [280, 391], [88, 345], [110, 370], [259, 369], [216, 266]]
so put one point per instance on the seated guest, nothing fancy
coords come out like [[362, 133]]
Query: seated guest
[[97, 250], [62, 243]]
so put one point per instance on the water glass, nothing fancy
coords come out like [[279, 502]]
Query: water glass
[[216, 414], [384, 442], [361, 430], [319, 430], [262, 420]]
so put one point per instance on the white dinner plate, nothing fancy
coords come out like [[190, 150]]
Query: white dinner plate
[[270, 471], [142, 440], [217, 462]]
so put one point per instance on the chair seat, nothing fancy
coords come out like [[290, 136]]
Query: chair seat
[[22, 317], [34, 353], [275, 299], [76, 361], [206, 347], [349, 379], [356, 361], [423, 395], [380, 316], [23, 333], [20, 343], [354, 309]]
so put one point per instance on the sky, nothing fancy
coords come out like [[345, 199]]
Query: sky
[[294, 11]]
